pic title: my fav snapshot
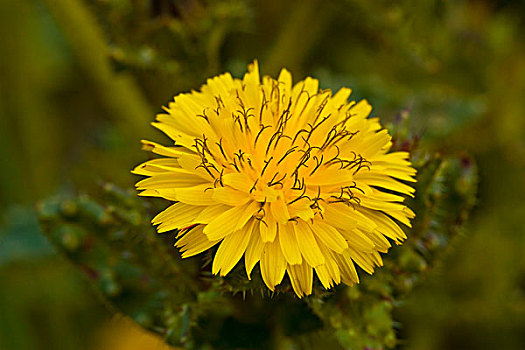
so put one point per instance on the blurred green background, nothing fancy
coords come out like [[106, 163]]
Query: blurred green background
[[81, 80]]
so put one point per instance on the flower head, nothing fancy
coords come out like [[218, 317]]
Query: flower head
[[290, 176]]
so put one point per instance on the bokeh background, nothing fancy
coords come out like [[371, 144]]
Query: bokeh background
[[80, 80]]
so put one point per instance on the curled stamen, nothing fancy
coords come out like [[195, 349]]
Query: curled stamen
[[260, 214], [313, 128], [211, 165], [237, 119], [290, 151], [240, 155], [203, 115], [241, 103], [263, 105], [335, 158], [296, 180], [273, 178], [259, 133], [266, 165], [249, 161], [309, 97], [318, 163], [221, 149], [261, 221], [354, 187], [205, 167], [219, 101], [358, 163], [301, 196], [348, 115], [323, 104], [302, 161], [298, 133], [277, 182], [315, 201], [235, 165], [245, 113], [342, 200], [253, 187], [219, 179], [271, 140], [284, 117], [329, 138]]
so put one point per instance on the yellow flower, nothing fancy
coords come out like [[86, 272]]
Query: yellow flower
[[289, 176]]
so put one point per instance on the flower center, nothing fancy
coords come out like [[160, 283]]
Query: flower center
[[297, 154]]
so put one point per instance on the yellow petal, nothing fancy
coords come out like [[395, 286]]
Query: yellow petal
[[268, 228], [404, 215], [376, 258], [238, 181], [176, 216], [386, 225], [231, 250], [328, 273], [220, 85], [174, 179], [270, 194], [340, 98], [285, 79], [361, 259], [179, 137], [194, 242], [361, 110], [308, 245], [391, 159], [163, 150], [358, 240], [346, 266], [252, 81], [362, 221], [157, 193], [252, 77], [301, 93], [273, 264], [380, 242], [253, 251], [184, 113], [156, 166], [405, 173], [330, 176], [196, 195], [289, 245], [301, 209], [229, 196], [279, 210], [329, 236], [368, 202], [193, 164], [384, 182], [210, 213], [383, 196], [301, 277], [229, 221], [338, 215], [375, 143]]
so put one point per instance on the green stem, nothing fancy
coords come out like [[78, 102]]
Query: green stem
[[306, 23], [118, 92]]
